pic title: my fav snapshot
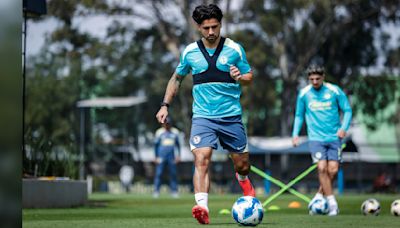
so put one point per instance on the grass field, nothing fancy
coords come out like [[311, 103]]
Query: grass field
[[130, 210]]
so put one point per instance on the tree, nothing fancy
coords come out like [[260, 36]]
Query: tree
[[63, 73], [294, 34]]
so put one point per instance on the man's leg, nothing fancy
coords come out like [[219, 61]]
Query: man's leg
[[201, 183], [173, 179], [242, 168], [157, 179], [318, 195], [324, 180], [333, 167]]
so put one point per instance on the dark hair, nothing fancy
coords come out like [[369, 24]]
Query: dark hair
[[204, 12], [168, 120], [315, 69]]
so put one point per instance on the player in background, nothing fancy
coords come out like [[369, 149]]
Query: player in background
[[167, 152], [219, 68], [321, 102]]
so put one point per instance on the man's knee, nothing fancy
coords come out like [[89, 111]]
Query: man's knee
[[322, 169], [332, 171], [201, 160]]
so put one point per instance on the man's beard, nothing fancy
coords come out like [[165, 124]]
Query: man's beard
[[212, 39]]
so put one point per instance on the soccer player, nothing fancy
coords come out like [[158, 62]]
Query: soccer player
[[219, 68], [321, 102], [167, 139]]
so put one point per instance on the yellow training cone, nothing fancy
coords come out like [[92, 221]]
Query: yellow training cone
[[224, 212], [273, 208], [294, 204]]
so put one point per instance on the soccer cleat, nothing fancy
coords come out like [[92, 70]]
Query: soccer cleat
[[201, 214], [175, 195], [247, 187], [333, 210]]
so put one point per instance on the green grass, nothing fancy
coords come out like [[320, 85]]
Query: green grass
[[132, 210]]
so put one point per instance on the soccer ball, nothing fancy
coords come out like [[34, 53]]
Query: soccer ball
[[395, 208], [318, 207], [371, 207], [248, 211]]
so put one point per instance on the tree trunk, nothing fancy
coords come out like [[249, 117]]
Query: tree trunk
[[288, 98]]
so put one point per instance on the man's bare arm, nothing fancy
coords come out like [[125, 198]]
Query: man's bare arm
[[173, 86], [244, 79]]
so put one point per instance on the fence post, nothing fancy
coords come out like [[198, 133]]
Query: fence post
[[267, 183], [340, 181]]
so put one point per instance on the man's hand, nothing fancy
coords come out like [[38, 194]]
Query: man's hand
[[341, 133], [162, 114], [157, 160], [295, 141], [177, 159], [234, 72]]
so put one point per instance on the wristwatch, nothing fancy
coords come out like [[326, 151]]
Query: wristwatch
[[164, 104]]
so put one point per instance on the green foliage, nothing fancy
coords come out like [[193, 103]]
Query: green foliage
[[293, 34], [373, 96], [280, 38]]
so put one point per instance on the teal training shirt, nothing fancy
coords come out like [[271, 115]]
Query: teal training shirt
[[214, 99], [321, 109]]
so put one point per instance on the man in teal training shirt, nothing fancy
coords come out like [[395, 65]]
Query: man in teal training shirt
[[219, 69], [321, 102]]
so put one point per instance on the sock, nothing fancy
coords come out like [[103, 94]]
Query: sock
[[202, 199], [241, 177], [331, 200], [318, 196]]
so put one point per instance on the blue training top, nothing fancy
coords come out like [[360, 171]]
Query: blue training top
[[165, 142], [215, 93], [321, 108]]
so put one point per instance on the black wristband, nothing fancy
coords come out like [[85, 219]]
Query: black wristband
[[164, 104]]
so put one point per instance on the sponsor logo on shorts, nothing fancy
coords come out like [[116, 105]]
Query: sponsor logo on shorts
[[196, 139]]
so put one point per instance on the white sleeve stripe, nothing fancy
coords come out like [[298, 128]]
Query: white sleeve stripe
[[189, 48], [230, 43], [304, 91], [159, 132], [332, 87]]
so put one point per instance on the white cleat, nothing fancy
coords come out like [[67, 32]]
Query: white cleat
[[333, 210], [175, 195], [156, 195]]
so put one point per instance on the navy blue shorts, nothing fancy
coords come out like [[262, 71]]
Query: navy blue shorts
[[228, 130], [330, 151]]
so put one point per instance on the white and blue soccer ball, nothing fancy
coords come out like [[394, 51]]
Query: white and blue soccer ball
[[247, 211], [371, 207], [395, 208], [318, 207]]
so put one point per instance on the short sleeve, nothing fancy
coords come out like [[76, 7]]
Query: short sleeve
[[242, 64]]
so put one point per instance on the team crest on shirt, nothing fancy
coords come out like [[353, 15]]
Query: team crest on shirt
[[223, 60], [196, 139], [327, 95]]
